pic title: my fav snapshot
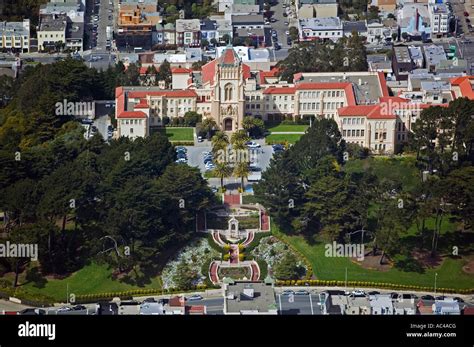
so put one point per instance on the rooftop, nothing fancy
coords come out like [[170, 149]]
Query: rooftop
[[183, 25], [53, 22], [402, 54], [318, 23], [434, 54], [247, 19], [250, 297]]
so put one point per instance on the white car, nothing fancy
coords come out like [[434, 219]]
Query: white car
[[358, 292], [194, 297], [253, 144]]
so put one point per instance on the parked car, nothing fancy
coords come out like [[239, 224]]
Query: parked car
[[181, 161], [200, 139], [288, 292], [181, 148], [394, 296], [149, 300], [441, 297], [466, 14], [358, 293], [273, 20], [276, 46], [428, 297], [458, 299], [79, 308], [194, 297], [253, 144], [374, 292], [214, 189], [64, 309], [301, 292]]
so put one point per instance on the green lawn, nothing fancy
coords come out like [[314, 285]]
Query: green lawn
[[178, 134], [91, 279], [401, 169], [450, 274], [281, 138], [287, 128]]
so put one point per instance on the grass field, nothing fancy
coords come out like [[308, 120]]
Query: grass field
[[287, 128], [178, 134], [281, 138], [401, 169], [450, 274], [91, 279]]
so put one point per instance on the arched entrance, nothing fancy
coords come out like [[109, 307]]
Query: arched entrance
[[228, 124]]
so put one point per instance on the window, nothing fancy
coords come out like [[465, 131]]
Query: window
[[131, 130], [228, 91], [376, 137], [362, 132], [353, 132], [358, 133]]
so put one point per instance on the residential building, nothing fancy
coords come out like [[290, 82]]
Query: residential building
[[52, 31], [164, 34], [188, 32], [254, 21], [416, 55], [385, 5], [359, 27], [414, 20], [136, 22], [255, 298], [15, 36], [316, 8], [330, 28], [446, 307], [401, 62], [434, 55], [439, 18], [381, 304]]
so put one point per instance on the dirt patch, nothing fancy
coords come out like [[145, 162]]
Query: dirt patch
[[426, 260], [469, 267], [372, 262]]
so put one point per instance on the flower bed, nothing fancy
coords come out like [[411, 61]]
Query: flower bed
[[196, 254], [271, 251]]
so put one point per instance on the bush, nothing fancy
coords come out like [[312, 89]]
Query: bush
[[226, 257]]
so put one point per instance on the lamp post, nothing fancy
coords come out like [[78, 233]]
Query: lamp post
[[436, 276]]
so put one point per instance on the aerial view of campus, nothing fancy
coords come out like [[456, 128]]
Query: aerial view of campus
[[236, 157]]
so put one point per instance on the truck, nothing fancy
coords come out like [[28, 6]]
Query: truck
[[109, 32]]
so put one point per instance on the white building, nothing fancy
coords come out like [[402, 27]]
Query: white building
[[320, 28], [439, 18], [15, 36], [52, 31]]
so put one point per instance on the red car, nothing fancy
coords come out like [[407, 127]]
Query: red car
[[466, 14]]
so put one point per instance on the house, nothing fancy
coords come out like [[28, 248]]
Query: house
[[188, 32], [414, 20], [330, 28], [416, 55], [358, 306], [253, 21], [404, 307], [446, 307], [15, 36], [434, 55], [52, 31], [151, 308], [381, 304], [164, 34], [242, 297], [316, 8], [360, 27], [176, 306], [401, 62], [376, 31]]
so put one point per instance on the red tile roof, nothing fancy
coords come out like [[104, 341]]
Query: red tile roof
[[279, 90], [132, 114], [208, 71], [229, 57], [465, 86], [142, 104], [264, 74], [383, 84], [180, 70], [369, 111], [177, 301]]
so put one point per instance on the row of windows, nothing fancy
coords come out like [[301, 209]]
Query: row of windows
[[356, 120], [401, 137], [50, 36], [401, 127], [381, 136], [379, 147], [353, 133], [131, 121], [325, 93]]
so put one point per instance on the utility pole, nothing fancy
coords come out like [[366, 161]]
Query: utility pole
[[436, 276], [346, 280]]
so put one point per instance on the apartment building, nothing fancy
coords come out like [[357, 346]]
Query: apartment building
[[188, 32], [52, 31], [316, 8], [330, 28], [15, 36], [439, 18]]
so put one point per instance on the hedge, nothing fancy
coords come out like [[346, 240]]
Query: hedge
[[182, 143], [338, 283]]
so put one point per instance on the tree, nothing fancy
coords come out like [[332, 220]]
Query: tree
[[254, 126], [214, 42], [238, 139], [249, 41], [241, 169], [220, 141], [191, 118], [287, 268], [294, 34], [222, 171], [225, 38], [185, 275], [208, 126], [164, 73], [204, 43]]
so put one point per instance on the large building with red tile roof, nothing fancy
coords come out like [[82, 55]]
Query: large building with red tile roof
[[227, 90]]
